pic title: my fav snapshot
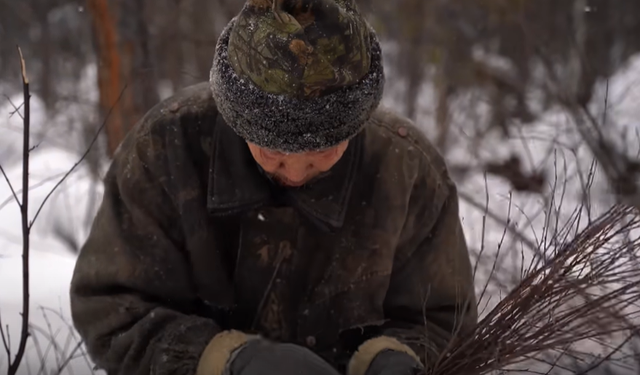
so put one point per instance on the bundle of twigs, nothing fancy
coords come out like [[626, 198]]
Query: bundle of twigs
[[583, 291]]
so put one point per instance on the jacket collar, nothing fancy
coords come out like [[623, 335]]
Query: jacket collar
[[237, 185]]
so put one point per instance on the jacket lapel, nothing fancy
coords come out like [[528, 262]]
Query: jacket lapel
[[237, 185], [327, 198]]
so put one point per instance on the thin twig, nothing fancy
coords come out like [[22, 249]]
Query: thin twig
[[70, 357], [5, 341], [24, 213], [13, 192], [509, 225], [82, 158], [16, 109], [26, 225], [31, 188], [556, 305]]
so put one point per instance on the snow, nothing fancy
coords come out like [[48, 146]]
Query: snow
[[552, 144], [542, 144], [52, 259], [51, 262]]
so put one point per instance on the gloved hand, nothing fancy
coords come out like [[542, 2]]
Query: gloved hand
[[260, 357], [391, 362], [236, 353], [384, 355]]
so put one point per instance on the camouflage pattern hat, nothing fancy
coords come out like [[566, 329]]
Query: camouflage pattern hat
[[297, 75], [300, 47]]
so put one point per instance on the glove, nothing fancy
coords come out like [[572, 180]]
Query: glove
[[263, 357], [235, 353], [391, 362], [384, 355]]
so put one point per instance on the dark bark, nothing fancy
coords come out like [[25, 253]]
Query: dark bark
[[122, 47]]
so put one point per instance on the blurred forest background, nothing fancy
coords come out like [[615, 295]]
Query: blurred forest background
[[471, 73], [157, 47], [516, 94]]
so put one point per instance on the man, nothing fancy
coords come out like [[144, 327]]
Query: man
[[274, 220]]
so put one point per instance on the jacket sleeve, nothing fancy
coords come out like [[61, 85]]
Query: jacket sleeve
[[431, 296], [132, 298]]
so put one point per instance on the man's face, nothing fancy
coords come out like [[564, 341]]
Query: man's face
[[296, 169]]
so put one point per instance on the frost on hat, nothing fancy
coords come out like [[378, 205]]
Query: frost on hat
[[297, 75]]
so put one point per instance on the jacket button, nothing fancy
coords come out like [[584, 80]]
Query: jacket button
[[402, 131], [311, 341]]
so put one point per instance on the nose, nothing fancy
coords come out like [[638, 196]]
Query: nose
[[296, 173]]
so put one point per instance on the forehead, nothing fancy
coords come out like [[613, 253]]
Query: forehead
[[297, 154], [265, 152], [294, 154]]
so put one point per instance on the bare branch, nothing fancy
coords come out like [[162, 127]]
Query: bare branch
[[558, 304], [5, 339], [16, 109], [13, 192], [44, 181], [82, 158], [508, 225], [24, 213], [25, 332], [620, 171]]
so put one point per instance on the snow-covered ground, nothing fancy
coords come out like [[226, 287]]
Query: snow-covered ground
[[66, 211], [59, 227], [52, 261]]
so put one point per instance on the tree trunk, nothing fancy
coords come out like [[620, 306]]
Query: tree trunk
[[121, 42]]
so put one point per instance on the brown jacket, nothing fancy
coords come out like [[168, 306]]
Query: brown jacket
[[192, 239]]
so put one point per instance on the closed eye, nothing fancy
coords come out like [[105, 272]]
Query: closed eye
[[271, 154]]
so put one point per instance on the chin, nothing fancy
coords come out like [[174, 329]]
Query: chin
[[287, 183]]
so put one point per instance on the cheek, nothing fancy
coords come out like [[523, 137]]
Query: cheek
[[270, 165], [325, 164], [267, 163]]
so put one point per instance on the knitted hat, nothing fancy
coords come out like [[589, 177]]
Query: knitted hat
[[297, 75]]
